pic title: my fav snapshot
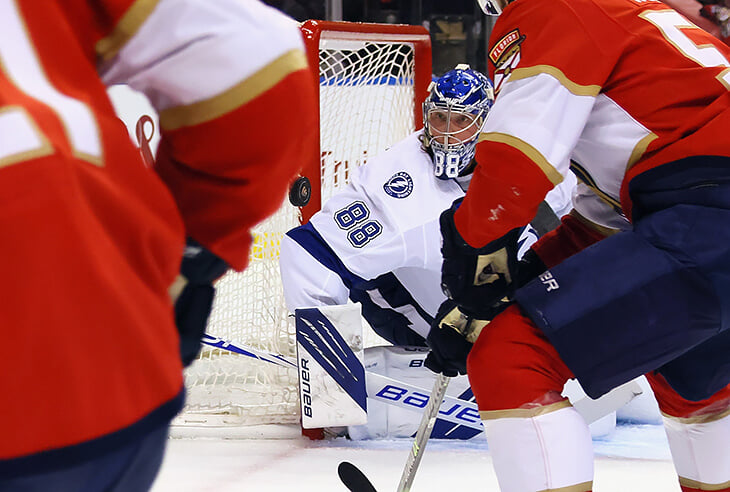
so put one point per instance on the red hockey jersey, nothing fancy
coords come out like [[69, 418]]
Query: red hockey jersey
[[92, 238], [608, 88]]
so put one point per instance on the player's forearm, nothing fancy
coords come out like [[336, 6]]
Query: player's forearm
[[237, 109], [504, 194], [574, 234], [224, 188]]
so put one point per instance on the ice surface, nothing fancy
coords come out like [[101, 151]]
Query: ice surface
[[635, 458]]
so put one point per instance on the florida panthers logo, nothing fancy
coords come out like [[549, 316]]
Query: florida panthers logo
[[506, 56], [400, 185]]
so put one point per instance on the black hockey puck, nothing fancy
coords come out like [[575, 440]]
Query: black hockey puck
[[300, 191]]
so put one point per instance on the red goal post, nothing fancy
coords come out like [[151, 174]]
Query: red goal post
[[323, 37]]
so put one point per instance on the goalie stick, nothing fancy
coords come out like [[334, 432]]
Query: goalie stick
[[380, 388], [414, 398]]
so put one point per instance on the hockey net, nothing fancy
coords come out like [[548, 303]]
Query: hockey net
[[372, 80]]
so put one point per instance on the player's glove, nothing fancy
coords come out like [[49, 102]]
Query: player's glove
[[477, 279], [199, 269], [529, 267], [452, 336]]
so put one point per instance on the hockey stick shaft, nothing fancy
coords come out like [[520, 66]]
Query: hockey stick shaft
[[278, 359], [423, 433]]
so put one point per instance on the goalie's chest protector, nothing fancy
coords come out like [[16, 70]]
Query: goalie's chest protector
[[387, 220]]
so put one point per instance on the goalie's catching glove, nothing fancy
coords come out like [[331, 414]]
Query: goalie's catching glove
[[198, 270], [477, 279], [452, 336]]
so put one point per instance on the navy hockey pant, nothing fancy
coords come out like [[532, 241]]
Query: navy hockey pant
[[654, 298], [132, 468]]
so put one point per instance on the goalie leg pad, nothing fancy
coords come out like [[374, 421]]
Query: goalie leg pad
[[332, 382]]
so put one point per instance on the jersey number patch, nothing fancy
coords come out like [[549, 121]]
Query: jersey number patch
[[671, 23], [23, 69], [354, 219]]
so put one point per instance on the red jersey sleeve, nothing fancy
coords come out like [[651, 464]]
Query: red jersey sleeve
[[230, 173], [237, 107], [545, 93]]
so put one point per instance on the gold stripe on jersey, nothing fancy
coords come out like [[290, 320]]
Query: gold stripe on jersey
[[577, 89], [523, 413], [579, 487], [639, 149], [176, 288], [586, 178], [722, 77], [108, 47], [238, 95], [43, 148], [604, 231], [694, 484], [531, 152], [699, 419]]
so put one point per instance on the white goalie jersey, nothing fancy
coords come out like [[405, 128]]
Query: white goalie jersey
[[378, 241]]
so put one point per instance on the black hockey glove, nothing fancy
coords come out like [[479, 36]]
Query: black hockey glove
[[452, 336], [477, 279], [199, 269], [528, 268]]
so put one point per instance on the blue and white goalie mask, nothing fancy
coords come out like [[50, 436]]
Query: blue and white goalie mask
[[453, 115]]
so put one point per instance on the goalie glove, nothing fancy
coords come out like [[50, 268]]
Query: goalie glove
[[452, 336], [198, 270], [477, 279]]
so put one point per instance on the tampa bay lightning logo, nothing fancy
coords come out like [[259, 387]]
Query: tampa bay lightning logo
[[400, 185]]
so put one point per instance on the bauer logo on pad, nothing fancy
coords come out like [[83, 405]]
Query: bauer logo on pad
[[331, 371]]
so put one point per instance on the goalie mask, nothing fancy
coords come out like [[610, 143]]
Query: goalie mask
[[453, 115]]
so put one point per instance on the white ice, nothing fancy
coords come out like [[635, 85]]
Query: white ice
[[634, 458]]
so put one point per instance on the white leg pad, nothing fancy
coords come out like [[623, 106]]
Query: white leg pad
[[700, 450], [543, 452]]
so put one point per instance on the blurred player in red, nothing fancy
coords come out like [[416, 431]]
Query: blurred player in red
[[94, 240], [634, 100]]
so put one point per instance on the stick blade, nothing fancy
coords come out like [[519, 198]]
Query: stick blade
[[353, 478]]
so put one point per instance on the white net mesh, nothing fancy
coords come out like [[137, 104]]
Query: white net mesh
[[367, 100], [366, 104], [226, 388]]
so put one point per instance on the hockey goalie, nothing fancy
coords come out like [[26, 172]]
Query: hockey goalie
[[377, 243]]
